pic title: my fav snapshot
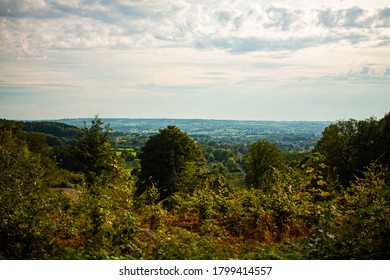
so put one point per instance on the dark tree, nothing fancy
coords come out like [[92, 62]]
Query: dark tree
[[366, 142], [338, 145], [102, 170], [351, 146], [94, 155], [261, 158], [383, 144], [170, 160]]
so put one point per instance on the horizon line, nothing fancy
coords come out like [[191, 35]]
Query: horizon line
[[174, 118]]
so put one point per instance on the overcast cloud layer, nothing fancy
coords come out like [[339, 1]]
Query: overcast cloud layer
[[243, 59]]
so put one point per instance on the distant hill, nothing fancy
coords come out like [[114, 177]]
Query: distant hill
[[290, 135], [215, 128], [56, 133], [58, 129]]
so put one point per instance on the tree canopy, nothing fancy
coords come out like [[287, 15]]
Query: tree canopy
[[94, 154], [170, 160], [261, 158], [350, 146]]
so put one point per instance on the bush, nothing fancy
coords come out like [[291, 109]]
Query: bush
[[358, 224]]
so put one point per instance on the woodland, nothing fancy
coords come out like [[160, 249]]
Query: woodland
[[94, 192]]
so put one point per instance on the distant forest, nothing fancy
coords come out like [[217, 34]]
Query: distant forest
[[194, 189], [286, 133]]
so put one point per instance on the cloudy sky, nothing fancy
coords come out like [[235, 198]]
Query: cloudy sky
[[237, 59]]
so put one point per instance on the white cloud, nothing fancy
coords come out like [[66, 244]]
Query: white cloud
[[143, 47], [237, 26], [23, 8]]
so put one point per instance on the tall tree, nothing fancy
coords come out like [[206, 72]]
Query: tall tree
[[366, 142], [351, 146], [101, 167], [94, 155], [383, 144], [170, 160], [261, 158], [337, 144]]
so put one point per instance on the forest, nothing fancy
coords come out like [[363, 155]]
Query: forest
[[97, 190]]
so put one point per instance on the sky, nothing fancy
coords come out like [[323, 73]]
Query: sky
[[237, 59]]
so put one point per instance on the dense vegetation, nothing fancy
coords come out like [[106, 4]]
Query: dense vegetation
[[98, 194]]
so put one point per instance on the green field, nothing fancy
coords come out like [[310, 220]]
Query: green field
[[119, 151]]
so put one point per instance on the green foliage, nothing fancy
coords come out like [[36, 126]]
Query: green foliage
[[171, 160], [94, 154], [261, 159], [350, 146], [337, 146], [188, 210], [106, 188], [54, 133], [356, 225], [25, 200], [383, 142]]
